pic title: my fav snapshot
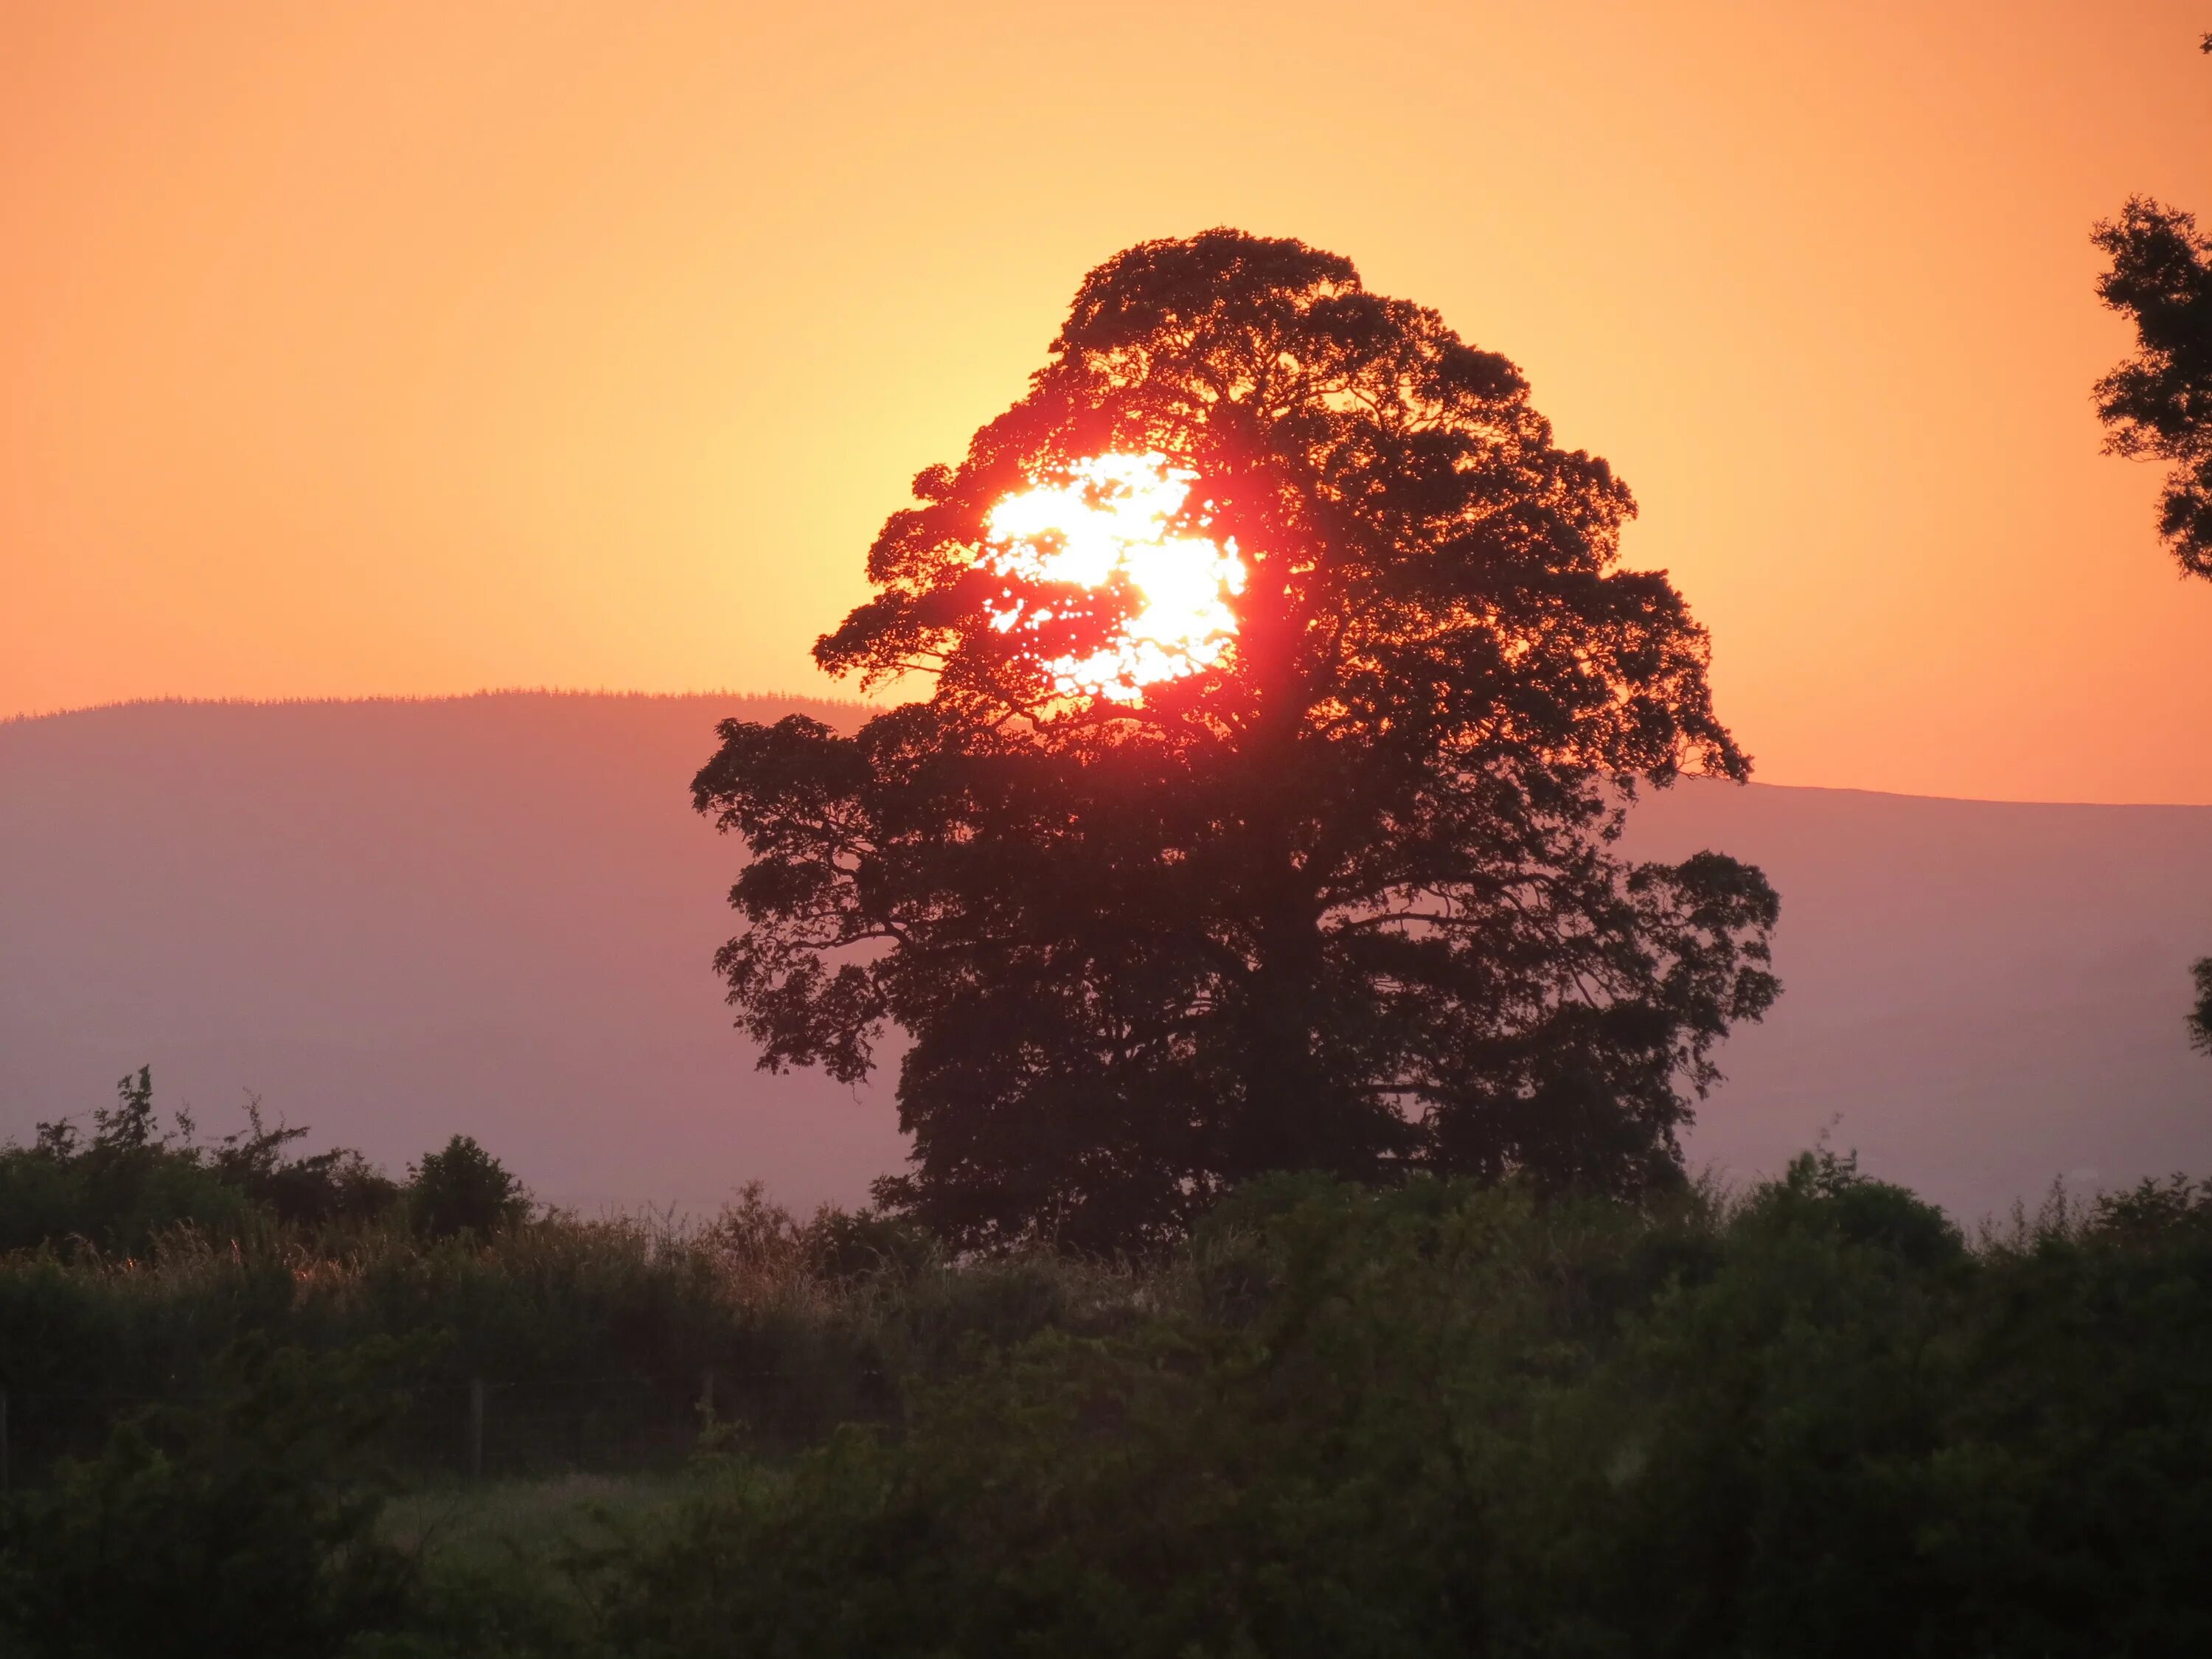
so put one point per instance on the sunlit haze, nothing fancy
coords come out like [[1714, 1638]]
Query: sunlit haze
[[1108, 532], [418, 348]]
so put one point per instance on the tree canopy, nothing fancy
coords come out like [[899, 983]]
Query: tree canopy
[[2159, 403], [1339, 890]]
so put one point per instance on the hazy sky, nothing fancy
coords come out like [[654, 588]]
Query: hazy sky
[[420, 348]]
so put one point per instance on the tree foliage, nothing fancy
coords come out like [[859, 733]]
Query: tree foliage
[[1347, 899], [463, 1188], [118, 1187], [133, 1179], [1809, 1421], [243, 1527], [1445, 1420], [2159, 403]]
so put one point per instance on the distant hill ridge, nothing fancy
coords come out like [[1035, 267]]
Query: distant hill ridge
[[397, 918], [781, 699]]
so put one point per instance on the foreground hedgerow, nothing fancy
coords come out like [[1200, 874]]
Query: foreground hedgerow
[[799, 1325], [1442, 1419]]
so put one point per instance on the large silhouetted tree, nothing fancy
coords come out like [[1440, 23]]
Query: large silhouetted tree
[[1347, 898]]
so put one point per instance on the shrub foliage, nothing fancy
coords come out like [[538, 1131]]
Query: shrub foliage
[[1439, 1419]]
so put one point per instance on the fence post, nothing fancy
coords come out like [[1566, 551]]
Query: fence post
[[476, 1430]]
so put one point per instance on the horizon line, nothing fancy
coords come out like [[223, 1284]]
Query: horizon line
[[607, 693], [176, 700]]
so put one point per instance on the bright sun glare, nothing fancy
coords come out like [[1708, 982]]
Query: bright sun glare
[[1109, 522]]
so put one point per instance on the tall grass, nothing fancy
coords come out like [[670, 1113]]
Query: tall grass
[[783, 1328]]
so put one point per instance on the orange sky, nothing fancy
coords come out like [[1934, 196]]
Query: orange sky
[[420, 348]]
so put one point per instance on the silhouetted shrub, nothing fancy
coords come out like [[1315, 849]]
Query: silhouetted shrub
[[132, 1181], [852, 1243], [463, 1188], [120, 1188], [338, 1187], [553, 1313]]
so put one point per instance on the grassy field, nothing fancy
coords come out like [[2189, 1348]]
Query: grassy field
[[499, 1521], [506, 1545]]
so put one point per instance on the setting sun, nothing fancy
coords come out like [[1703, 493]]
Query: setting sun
[[1111, 528]]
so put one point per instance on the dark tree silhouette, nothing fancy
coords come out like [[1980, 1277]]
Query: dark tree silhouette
[[2200, 1017], [1345, 899], [462, 1188], [2159, 403]]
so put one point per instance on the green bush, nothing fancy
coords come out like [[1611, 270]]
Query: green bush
[[242, 1528], [1811, 1420], [120, 1189], [337, 1188], [796, 1327], [463, 1188], [1448, 1421], [132, 1182]]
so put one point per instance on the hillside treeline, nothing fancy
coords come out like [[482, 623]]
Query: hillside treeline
[[1811, 1417]]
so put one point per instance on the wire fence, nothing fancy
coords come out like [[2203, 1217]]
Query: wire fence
[[494, 1428]]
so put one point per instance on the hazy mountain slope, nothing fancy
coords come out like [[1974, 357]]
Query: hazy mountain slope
[[1987, 994], [397, 920], [495, 914]]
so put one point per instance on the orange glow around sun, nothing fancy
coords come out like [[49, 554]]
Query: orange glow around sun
[[1105, 526]]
